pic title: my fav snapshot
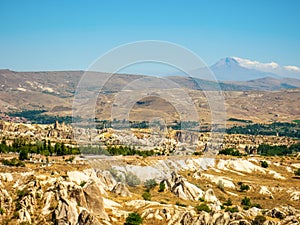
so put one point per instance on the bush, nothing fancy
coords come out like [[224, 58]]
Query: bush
[[232, 209], [180, 204], [256, 205], [162, 187], [264, 164], [203, 207], [132, 179], [2, 211], [150, 184], [23, 155], [230, 151], [246, 201], [82, 183], [259, 220], [297, 172], [244, 187], [70, 159], [25, 223], [115, 173], [133, 219], [22, 193], [13, 162], [197, 153], [201, 199], [228, 202], [146, 196]]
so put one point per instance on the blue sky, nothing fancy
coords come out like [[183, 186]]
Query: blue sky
[[71, 34]]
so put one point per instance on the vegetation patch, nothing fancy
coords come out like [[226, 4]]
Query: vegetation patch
[[276, 128], [203, 207], [134, 219], [13, 162], [230, 151], [240, 120]]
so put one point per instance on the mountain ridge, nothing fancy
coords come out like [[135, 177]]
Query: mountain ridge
[[238, 69]]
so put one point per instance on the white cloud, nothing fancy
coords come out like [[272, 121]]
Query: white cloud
[[292, 68], [271, 67], [256, 65]]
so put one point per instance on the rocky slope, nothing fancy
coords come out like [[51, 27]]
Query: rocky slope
[[80, 193]]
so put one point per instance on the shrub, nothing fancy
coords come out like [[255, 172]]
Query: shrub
[[23, 155], [22, 193], [132, 179], [180, 204], [232, 209], [264, 164], [146, 196], [197, 153], [297, 172], [230, 151], [203, 207], [259, 220], [201, 199], [246, 201], [162, 187], [82, 183], [133, 219], [244, 187], [13, 162], [2, 211], [38, 195], [25, 223], [256, 205], [70, 159], [115, 173], [150, 184], [228, 202]]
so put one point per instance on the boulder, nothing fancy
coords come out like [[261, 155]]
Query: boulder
[[86, 218], [182, 188], [94, 200], [276, 213], [121, 189]]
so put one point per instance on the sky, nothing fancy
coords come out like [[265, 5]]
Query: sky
[[70, 34]]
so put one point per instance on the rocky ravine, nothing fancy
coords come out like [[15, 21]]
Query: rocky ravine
[[93, 196]]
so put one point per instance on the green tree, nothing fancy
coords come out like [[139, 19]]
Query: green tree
[[23, 155], [162, 187], [44, 145], [56, 148]]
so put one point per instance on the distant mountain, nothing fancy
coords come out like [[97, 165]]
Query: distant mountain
[[261, 84], [238, 69], [266, 84], [229, 69]]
